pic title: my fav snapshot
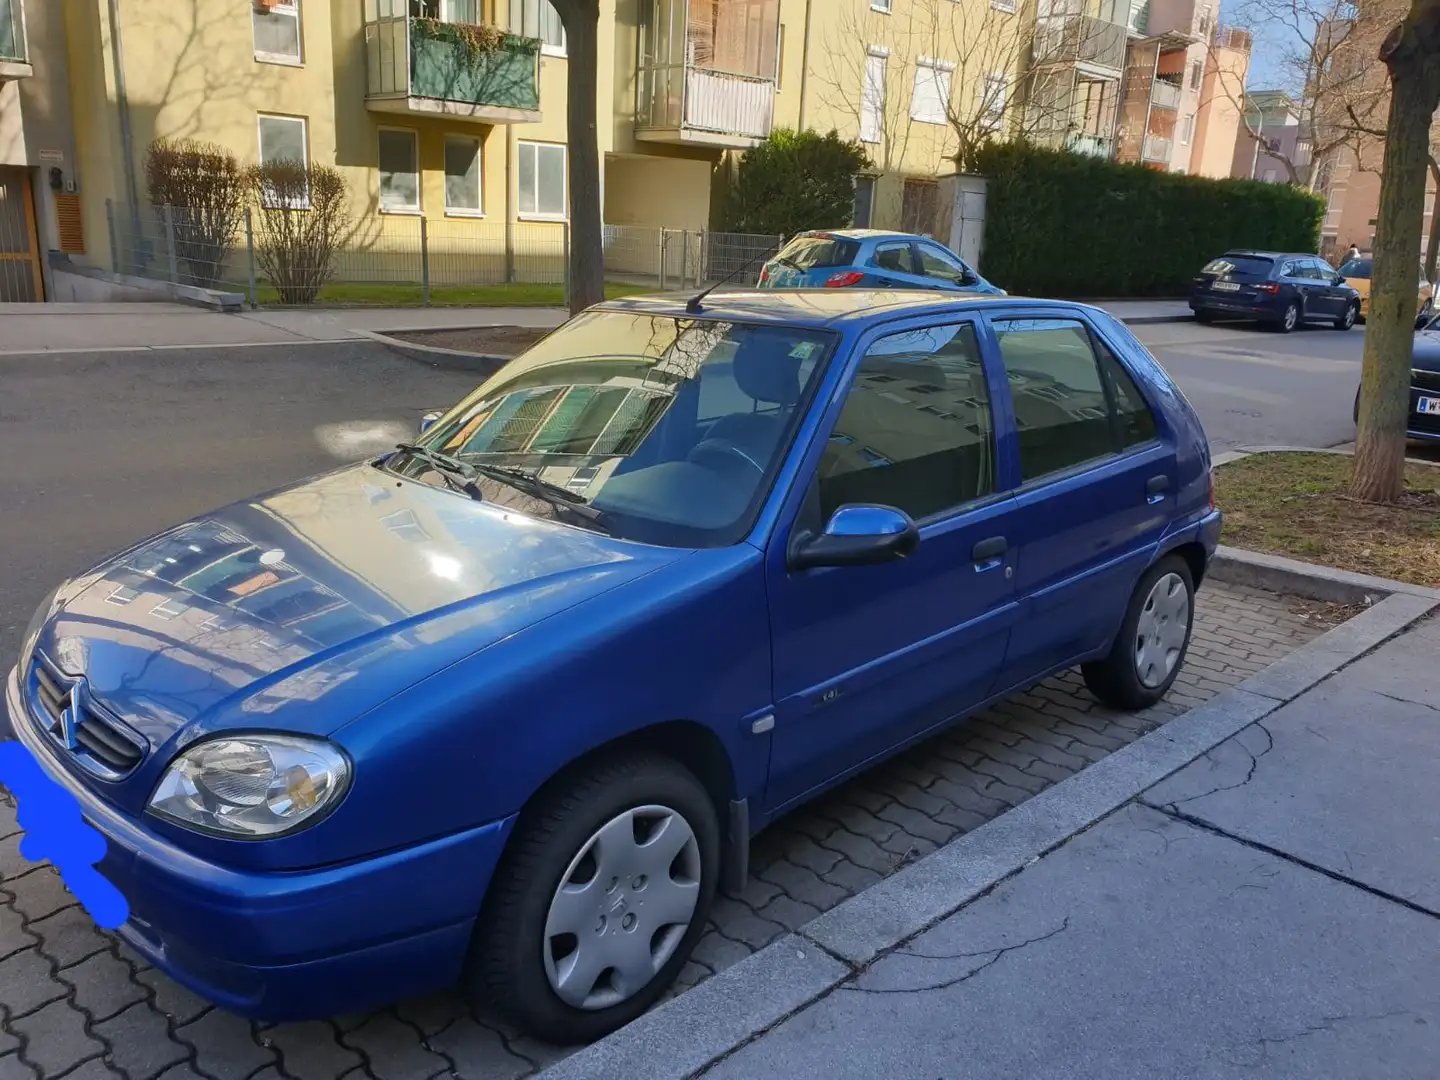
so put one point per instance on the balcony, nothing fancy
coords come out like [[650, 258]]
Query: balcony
[[14, 59], [1080, 39], [1156, 150], [428, 68], [1165, 95], [1092, 145], [706, 71]]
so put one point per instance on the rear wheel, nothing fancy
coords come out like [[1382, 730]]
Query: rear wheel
[[1290, 318], [1347, 320], [1203, 316], [1150, 648], [601, 897]]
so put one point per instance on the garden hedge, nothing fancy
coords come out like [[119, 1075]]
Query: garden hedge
[[1065, 224]]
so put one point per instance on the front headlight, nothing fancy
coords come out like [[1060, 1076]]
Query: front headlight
[[252, 786], [32, 632]]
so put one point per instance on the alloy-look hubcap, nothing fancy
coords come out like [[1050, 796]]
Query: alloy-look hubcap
[[1160, 633], [622, 908], [1292, 316]]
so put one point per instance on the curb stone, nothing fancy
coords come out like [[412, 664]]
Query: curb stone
[[689, 1033]]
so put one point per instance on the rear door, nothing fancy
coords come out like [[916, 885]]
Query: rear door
[[1096, 488]]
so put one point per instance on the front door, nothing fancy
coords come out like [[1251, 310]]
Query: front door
[[20, 280], [866, 657]]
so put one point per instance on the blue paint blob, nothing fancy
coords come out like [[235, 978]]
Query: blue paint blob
[[54, 830]]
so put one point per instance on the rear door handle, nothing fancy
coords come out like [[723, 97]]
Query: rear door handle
[[1156, 487], [989, 553]]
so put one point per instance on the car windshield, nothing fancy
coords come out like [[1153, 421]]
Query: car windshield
[[657, 429], [1356, 268], [1238, 264], [807, 252]]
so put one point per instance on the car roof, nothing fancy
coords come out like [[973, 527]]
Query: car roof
[[867, 234], [822, 308], [1272, 254]]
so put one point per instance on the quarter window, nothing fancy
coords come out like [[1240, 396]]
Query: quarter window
[[1061, 409], [1134, 421], [915, 430]]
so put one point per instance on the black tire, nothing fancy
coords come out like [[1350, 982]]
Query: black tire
[[1115, 680], [1357, 407], [1350, 318], [505, 964], [1291, 318], [1203, 316]]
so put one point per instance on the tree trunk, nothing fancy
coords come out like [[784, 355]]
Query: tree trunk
[[581, 19], [1432, 254], [1412, 53]]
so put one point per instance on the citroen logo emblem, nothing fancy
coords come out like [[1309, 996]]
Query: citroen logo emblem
[[70, 716]]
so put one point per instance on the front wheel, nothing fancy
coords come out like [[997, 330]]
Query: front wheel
[[1154, 636], [1347, 320], [600, 899]]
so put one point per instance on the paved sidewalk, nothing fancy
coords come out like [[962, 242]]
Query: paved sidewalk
[[32, 328], [1272, 909], [74, 999]]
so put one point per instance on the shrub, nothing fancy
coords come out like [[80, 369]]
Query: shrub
[[1064, 224], [303, 216], [795, 181], [205, 191]]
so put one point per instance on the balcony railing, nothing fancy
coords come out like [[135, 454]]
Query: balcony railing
[[420, 65], [12, 33], [1094, 145], [1157, 149], [703, 102], [1080, 39], [1165, 95]]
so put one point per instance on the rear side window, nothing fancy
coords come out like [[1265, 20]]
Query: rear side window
[[1134, 422], [814, 251], [897, 258], [1239, 264]]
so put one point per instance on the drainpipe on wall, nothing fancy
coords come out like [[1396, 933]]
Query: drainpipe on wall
[[804, 67], [122, 103], [511, 202]]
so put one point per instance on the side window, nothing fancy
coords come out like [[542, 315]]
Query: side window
[[915, 431], [895, 258], [935, 263], [1289, 269], [1133, 419], [1060, 406]]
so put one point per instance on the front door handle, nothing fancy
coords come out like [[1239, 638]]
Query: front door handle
[[1156, 487], [989, 553]]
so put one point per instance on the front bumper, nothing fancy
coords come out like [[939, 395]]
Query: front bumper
[[295, 945]]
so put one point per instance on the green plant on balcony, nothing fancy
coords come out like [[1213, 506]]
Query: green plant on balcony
[[477, 40]]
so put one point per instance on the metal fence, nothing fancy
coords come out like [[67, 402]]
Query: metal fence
[[394, 259]]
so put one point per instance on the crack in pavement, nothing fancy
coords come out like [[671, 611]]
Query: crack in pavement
[[1254, 756], [995, 957], [1408, 701], [1263, 1043]]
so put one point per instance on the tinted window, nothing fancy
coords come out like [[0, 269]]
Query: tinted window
[[1133, 419], [811, 251], [915, 429], [937, 264], [1239, 264], [1356, 268], [1060, 406], [661, 430], [894, 257]]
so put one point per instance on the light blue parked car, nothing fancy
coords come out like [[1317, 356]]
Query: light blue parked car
[[870, 259]]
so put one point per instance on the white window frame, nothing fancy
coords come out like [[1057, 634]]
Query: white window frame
[[280, 7], [874, 52], [537, 214], [929, 67], [560, 51], [1006, 6], [992, 123], [1197, 83], [882, 6], [1187, 128], [304, 123], [478, 211], [404, 211], [447, 12]]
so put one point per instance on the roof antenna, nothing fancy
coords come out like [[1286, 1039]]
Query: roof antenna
[[693, 305]]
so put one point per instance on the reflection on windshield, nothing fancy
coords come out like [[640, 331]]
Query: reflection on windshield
[[669, 429]]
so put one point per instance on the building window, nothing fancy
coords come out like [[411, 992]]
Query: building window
[[462, 175], [277, 32], [930, 101], [283, 138], [1197, 73], [542, 180], [1268, 176], [1187, 128], [399, 171], [1007, 6], [881, 5], [994, 98], [872, 95], [538, 19]]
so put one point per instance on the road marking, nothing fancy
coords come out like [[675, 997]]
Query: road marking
[[353, 440], [79, 350], [1286, 361], [1187, 384]]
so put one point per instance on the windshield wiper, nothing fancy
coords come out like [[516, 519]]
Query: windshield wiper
[[457, 474], [560, 498]]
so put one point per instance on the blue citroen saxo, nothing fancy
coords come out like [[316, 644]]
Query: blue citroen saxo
[[505, 706]]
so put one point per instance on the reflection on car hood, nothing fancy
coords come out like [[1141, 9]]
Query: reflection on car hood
[[302, 608], [1427, 351]]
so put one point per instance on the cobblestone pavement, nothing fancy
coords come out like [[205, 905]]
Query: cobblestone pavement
[[76, 1003]]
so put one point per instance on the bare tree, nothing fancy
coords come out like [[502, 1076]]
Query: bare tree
[[1411, 54], [581, 19]]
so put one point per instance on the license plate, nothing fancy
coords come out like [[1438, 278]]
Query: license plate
[[1428, 406], [1226, 286]]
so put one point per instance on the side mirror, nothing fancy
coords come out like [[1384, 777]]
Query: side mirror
[[969, 277], [428, 420], [857, 535], [1338, 280]]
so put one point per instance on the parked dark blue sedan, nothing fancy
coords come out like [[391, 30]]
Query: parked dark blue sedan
[[504, 706], [870, 259], [1279, 290], [1423, 421]]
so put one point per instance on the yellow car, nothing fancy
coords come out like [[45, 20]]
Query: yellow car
[[1356, 273]]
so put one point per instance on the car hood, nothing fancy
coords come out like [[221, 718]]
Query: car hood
[[1360, 285], [303, 608], [1427, 351]]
